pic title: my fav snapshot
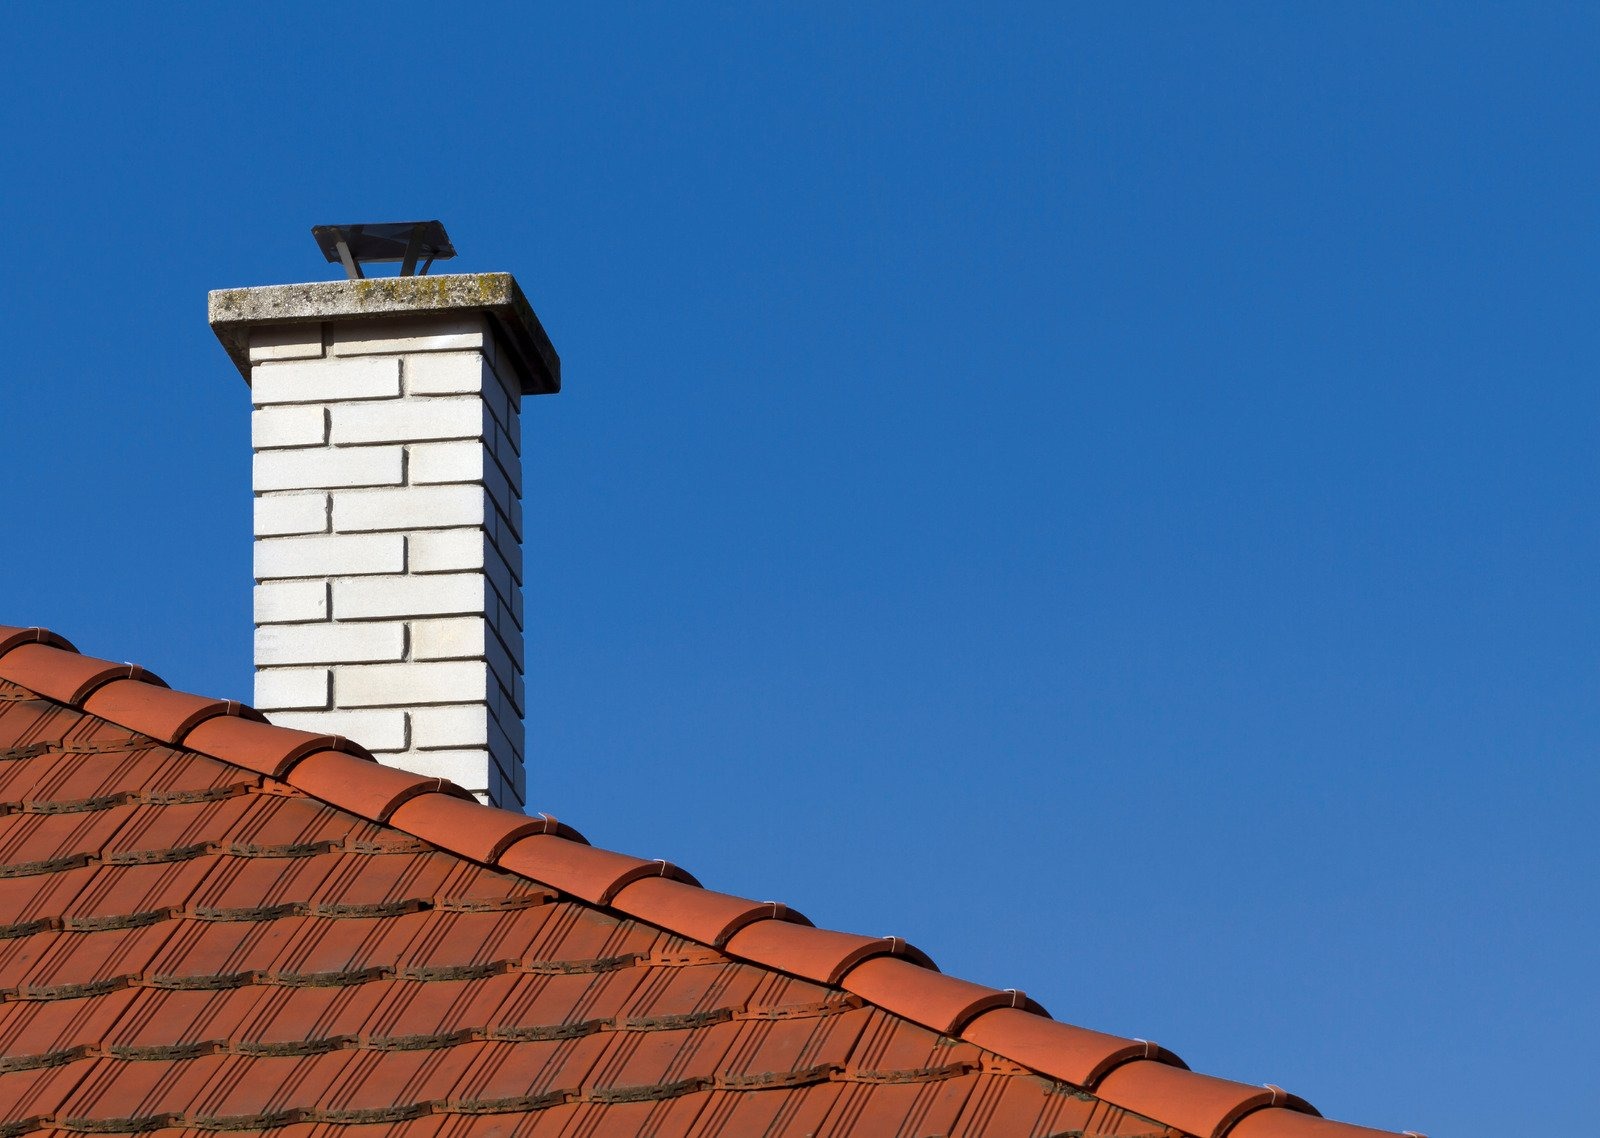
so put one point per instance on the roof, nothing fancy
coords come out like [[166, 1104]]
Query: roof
[[212, 923]]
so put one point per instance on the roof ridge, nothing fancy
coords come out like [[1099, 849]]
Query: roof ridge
[[887, 972]]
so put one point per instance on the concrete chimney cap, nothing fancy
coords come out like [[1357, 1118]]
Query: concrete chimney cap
[[233, 312]]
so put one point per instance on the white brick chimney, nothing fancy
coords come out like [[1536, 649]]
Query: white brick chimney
[[388, 513]]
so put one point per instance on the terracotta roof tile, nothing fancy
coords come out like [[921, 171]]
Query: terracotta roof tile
[[1060, 1050], [1277, 1123], [699, 914], [482, 833], [911, 990], [63, 675], [211, 923], [1200, 1104], [591, 874], [261, 747], [161, 714], [11, 636], [822, 955], [374, 792]]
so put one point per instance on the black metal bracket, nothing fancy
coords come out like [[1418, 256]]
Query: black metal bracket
[[405, 242]]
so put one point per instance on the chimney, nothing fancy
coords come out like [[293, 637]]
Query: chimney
[[388, 513]]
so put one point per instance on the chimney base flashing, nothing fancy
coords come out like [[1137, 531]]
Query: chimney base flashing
[[235, 312]]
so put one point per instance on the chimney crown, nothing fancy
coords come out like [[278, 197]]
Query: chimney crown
[[234, 312]]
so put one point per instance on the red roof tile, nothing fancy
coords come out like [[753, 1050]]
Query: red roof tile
[[207, 922]]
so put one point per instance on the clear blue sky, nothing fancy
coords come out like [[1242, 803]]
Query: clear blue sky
[[1106, 493]]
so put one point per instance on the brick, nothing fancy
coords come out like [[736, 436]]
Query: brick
[[293, 689], [508, 793], [284, 602], [499, 572], [446, 550], [378, 729], [468, 769], [327, 555], [285, 342], [407, 420], [462, 725], [501, 666], [465, 638], [297, 425], [439, 594], [448, 373], [327, 643], [327, 467], [507, 459], [277, 514], [457, 550], [507, 455], [466, 460], [460, 461], [505, 373], [499, 487], [392, 335], [502, 711], [412, 507], [324, 381], [503, 742], [449, 638], [506, 624], [410, 685]]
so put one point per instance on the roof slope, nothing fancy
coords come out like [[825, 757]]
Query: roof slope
[[208, 923]]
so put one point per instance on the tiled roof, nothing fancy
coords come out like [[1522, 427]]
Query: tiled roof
[[208, 923]]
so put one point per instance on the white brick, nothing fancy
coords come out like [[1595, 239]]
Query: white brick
[[324, 381], [285, 342], [507, 625], [507, 460], [327, 467], [500, 707], [508, 793], [286, 689], [327, 643], [495, 481], [446, 550], [504, 540], [326, 555], [410, 685], [450, 638], [507, 455], [448, 373], [501, 665], [465, 725], [413, 507], [277, 514], [282, 602], [299, 425], [502, 409], [461, 461], [408, 420], [505, 373], [377, 730], [438, 594], [512, 555], [391, 335], [466, 460], [468, 769], [503, 742]]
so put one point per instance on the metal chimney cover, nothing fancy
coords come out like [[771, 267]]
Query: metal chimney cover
[[378, 243]]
